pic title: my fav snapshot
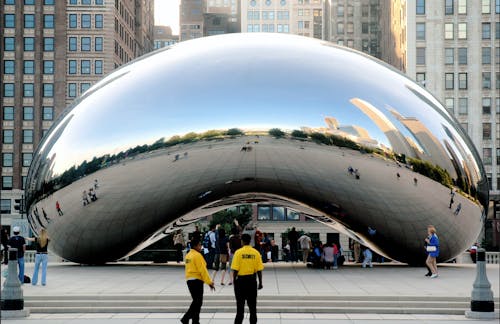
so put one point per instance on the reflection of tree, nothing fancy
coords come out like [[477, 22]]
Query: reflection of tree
[[276, 132], [299, 134], [432, 171], [225, 217]]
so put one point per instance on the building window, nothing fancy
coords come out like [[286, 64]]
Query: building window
[[98, 21], [486, 30], [29, 44], [486, 6], [278, 213], [5, 206], [48, 113], [85, 44], [72, 43], [27, 158], [497, 32], [48, 44], [462, 31], [462, 55], [8, 136], [462, 106], [264, 213], [498, 80], [420, 55], [486, 106], [86, 2], [450, 105], [487, 155], [420, 31], [8, 90], [98, 67], [449, 81], [486, 55], [9, 67], [99, 2], [448, 7], [73, 21], [86, 21], [486, 131], [6, 182], [448, 31], [48, 21], [421, 79], [48, 2], [462, 6], [29, 21], [292, 215], [72, 90], [29, 67], [85, 66], [462, 81], [29, 2], [420, 7], [48, 90], [497, 6], [74, 2], [7, 159], [48, 67], [10, 2], [449, 55], [28, 90], [28, 113], [498, 163], [27, 136], [9, 44], [72, 67], [486, 80], [9, 21], [98, 43], [340, 28], [365, 28], [8, 113], [84, 87]]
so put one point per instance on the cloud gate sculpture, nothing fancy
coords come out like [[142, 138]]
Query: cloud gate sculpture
[[256, 118]]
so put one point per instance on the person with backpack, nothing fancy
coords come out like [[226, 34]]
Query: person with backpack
[[18, 242], [209, 241]]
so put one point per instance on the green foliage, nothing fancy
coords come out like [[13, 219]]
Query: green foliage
[[226, 217], [211, 134], [299, 134], [234, 132], [276, 132], [432, 171]]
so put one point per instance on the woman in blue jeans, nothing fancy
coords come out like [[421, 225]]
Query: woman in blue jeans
[[41, 257]]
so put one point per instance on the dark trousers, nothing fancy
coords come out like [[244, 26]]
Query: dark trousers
[[196, 290], [178, 252], [245, 290], [294, 252]]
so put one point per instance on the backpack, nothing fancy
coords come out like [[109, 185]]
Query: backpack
[[206, 241]]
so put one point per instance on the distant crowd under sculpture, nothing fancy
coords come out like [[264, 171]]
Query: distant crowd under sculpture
[[256, 118]]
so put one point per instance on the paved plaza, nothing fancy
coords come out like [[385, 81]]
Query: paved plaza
[[131, 280]]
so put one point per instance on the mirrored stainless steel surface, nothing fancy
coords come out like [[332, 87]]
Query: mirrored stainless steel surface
[[267, 118]]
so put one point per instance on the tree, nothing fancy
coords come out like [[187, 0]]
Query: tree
[[276, 132], [234, 132], [226, 217], [299, 134]]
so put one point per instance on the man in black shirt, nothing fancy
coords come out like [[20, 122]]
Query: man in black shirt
[[293, 237], [18, 242]]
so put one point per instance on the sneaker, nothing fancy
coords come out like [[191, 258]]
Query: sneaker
[[434, 275]]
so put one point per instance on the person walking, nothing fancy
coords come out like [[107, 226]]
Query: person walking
[[306, 245], [17, 241], [293, 237], [247, 265], [432, 248], [367, 258], [5, 243], [196, 275], [223, 253], [58, 208], [357, 251], [41, 257], [179, 245]]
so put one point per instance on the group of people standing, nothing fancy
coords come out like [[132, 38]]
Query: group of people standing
[[18, 242], [214, 251]]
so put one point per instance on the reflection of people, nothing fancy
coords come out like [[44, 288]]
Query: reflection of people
[[196, 275], [367, 258], [18, 242], [96, 184], [41, 257], [58, 208], [415, 181], [357, 250], [247, 264], [432, 250], [85, 200], [457, 210]]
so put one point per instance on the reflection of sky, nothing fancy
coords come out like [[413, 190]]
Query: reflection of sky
[[206, 84]]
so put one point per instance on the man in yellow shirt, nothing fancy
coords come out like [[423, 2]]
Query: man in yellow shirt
[[196, 275], [247, 262]]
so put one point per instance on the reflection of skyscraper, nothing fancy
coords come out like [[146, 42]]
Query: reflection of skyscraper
[[396, 139], [434, 151]]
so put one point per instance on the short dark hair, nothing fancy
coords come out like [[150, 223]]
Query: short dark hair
[[195, 241], [246, 238]]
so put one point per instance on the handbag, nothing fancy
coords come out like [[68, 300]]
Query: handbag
[[431, 248]]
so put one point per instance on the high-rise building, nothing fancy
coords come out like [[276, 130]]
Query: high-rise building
[[163, 37], [52, 51], [455, 54], [199, 18], [302, 17]]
